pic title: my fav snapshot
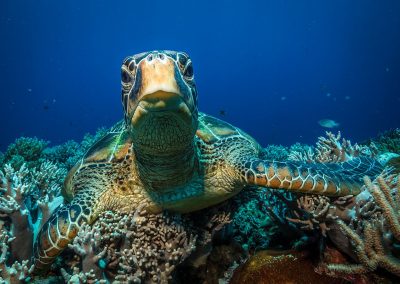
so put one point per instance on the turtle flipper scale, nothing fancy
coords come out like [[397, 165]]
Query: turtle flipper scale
[[330, 179], [59, 231]]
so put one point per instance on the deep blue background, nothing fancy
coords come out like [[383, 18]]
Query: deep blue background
[[274, 67]]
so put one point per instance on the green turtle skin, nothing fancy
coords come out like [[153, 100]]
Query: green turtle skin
[[166, 155]]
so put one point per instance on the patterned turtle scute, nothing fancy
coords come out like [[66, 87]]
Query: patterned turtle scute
[[166, 155]]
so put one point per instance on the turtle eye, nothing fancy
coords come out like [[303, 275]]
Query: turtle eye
[[182, 60], [188, 73], [125, 76], [132, 66]]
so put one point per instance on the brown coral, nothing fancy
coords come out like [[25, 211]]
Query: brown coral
[[374, 234]]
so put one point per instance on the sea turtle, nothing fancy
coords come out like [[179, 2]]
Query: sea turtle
[[165, 155]]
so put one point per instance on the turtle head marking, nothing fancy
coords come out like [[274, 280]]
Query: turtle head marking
[[159, 86]]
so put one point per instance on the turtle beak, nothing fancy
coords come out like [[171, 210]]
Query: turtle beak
[[159, 90]]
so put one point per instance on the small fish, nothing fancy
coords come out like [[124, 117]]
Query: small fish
[[328, 123], [283, 98], [222, 112]]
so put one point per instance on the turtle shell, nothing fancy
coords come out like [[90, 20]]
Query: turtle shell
[[110, 148], [212, 129]]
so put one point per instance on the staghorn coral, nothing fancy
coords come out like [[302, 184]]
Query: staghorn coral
[[80, 277], [13, 190], [332, 149], [307, 156], [318, 209], [18, 271]]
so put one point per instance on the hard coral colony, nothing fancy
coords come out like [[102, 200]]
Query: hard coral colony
[[126, 212]]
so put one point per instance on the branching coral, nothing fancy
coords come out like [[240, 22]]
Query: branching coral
[[86, 244], [12, 206], [78, 277], [27, 199], [318, 209], [332, 149], [134, 247], [137, 247], [18, 271], [375, 229]]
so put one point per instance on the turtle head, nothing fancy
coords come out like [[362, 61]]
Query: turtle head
[[160, 99]]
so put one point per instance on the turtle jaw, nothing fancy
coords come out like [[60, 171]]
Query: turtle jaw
[[161, 103]]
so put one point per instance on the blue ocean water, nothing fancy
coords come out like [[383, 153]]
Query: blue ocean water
[[273, 68]]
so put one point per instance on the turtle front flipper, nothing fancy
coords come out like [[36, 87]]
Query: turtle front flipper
[[330, 179], [61, 229]]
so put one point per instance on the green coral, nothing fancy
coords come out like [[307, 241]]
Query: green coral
[[252, 225], [66, 154], [89, 139], [70, 152], [282, 153], [389, 141], [275, 152], [260, 220], [24, 150]]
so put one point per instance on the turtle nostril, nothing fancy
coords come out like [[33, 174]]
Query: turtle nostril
[[161, 56], [150, 57]]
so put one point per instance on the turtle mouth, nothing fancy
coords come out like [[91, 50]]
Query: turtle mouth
[[161, 101]]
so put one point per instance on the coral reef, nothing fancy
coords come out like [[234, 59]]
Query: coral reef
[[18, 271], [264, 219], [374, 231], [205, 246], [281, 153], [388, 141], [365, 227], [275, 152], [27, 199], [332, 149], [138, 247], [26, 151]]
